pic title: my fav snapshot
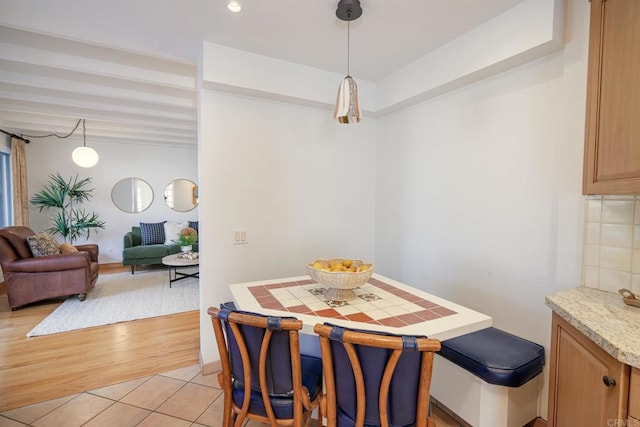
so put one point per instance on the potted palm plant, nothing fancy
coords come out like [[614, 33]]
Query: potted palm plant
[[70, 221]]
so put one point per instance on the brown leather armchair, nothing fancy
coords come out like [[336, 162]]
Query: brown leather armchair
[[29, 279]]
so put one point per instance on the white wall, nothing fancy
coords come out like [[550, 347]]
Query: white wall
[[300, 183], [529, 30], [158, 165], [478, 193]]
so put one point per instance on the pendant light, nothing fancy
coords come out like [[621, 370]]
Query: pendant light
[[84, 156], [234, 6], [348, 103]]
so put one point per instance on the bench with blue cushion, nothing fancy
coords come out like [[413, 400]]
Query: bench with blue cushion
[[497, 357]]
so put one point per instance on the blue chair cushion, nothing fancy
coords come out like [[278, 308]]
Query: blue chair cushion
[[278, 364], [495, 356], [278, 370], [283, 405], [344, 420], [402, 405]]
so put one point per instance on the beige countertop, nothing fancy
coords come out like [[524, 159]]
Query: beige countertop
[[604, 318]]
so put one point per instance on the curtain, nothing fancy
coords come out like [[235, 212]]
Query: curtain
[[20, 193]]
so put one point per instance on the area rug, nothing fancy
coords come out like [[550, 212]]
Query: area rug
[[122, 297]]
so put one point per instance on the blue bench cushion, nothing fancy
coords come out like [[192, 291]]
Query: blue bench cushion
[[495, 356]]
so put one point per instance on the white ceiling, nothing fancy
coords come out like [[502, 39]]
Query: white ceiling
[[41, 93]]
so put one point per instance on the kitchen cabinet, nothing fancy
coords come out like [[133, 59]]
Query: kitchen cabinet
[[612, 134], [634, 397], [587, 386]]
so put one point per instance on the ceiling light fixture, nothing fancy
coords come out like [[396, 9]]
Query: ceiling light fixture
[[84, 156], [234, 6], [348, 103]]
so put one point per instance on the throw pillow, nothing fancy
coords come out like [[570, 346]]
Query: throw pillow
[[67, 248], [152, 233], [172, 231], [43, 244], [194, 225]]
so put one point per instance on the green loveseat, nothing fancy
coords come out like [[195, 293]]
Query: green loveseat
[[135, 253]]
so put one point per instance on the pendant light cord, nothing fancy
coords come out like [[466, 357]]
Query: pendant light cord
[[55, 134], [84, 134], [348, 42]]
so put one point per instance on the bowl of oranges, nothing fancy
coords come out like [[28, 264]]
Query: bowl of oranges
[[340, 276]]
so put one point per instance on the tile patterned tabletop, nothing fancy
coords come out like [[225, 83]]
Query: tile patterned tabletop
[[381, 304]]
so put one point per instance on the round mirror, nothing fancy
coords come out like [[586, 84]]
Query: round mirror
[[181, 195], [132, 195]]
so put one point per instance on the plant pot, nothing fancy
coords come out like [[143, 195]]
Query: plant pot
[[186, 249]]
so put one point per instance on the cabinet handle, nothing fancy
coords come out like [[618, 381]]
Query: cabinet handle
[[609, 382]]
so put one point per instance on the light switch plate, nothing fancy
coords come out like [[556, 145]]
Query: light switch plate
[[240, 236]]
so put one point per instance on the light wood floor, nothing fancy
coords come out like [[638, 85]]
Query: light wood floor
[[41, 368]]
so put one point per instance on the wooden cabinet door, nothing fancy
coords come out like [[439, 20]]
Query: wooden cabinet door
[[578, 395], [612, 140], [634, 395]]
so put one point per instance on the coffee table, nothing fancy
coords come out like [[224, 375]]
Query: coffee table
[[174, 262]]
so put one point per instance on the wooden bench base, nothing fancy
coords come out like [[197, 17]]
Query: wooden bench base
[[482, 404]]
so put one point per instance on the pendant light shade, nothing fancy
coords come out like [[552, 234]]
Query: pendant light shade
[[348, 103], [85, 157]]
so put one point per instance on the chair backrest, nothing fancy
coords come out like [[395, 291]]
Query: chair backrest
[[375, 379], [7, 251], [17, 237], [259, 354]]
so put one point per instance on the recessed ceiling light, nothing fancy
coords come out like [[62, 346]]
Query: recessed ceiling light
[[234, 6]]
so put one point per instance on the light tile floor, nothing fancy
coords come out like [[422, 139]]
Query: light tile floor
[[179, 398]]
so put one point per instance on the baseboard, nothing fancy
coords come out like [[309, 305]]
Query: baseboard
[[450, 413], [113, 267], [538, 422], [210, 368]]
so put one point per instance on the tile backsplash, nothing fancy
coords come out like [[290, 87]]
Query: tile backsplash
[[611, 256]]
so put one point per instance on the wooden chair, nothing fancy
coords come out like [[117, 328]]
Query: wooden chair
[[263, 375], [375, 379]]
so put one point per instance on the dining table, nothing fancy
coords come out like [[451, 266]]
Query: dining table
[[382, 304]]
